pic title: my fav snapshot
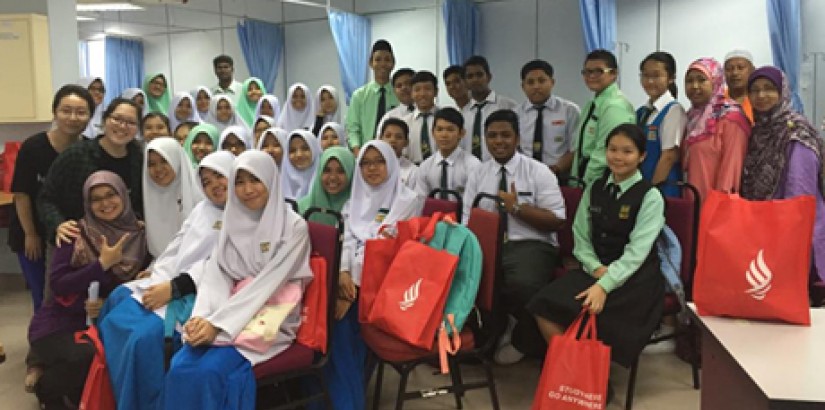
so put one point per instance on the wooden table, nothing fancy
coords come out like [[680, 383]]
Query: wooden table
[[762, 365]]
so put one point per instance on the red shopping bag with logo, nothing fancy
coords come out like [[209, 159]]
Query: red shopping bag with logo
[[380, 253], [575, 372], [754, 258], [313, 330], [97, 392], [410, 302]]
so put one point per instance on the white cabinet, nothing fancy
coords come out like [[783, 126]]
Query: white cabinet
[[26, 81]]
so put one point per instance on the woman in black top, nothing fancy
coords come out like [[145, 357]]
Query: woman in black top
[[72, 108]]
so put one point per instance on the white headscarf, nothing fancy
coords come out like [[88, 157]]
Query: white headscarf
[[173, 120], [273, 101], [239, 131], [339, 130], [199, 233], [95, 126], [291, 118], [165, 208], [295, 183], [131, 93], [280, 134], [365, 201], [201, 114], [336, 116], [270, 245], [212, 117]]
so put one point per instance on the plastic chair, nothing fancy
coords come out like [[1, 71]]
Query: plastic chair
[[294, 204], [477, 338], [299, 361], [433, 204]]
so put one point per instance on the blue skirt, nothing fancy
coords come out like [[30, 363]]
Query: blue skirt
[[209, 378]]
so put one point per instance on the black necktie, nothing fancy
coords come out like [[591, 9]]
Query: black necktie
[[502, 182], [613, 190], [477, 129], [647, 111], [411, 108], [382, 106], [426, 151], [580, 151], [538, 134], [444, 180]]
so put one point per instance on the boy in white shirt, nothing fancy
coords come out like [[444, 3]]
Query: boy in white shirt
[[420, 121], [456, 86], [450, 166], [403, 90], [484, 101], [396, 133]]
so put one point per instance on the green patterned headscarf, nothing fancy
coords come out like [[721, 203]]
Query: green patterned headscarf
[[153, 104], [320, 198], [210, 130], [246, 108]]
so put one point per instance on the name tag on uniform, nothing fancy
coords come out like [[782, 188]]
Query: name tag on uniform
[[217, 226], [264, 247], [624, 212], [557, 122], [591, 129], [559, 138], [651, 132], [381, 215], [524, 193]]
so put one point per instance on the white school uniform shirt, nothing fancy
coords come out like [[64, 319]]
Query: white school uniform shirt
[[415, 120], [409, 172], [536, 185], [460, 164], [559, 121], [233, 91], [399, 111], [494, 102], [673, 125]]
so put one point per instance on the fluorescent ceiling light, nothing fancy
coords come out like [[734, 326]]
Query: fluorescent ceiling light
[[120, 6], [85, 18], [306, 3]]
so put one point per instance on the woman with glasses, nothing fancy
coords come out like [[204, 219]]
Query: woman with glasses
[[60, 203], [608, 109], [97, 90]]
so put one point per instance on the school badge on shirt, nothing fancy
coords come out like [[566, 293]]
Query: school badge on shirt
[[264, 247], [217, 225], [651, 132], [476, 141], [624, 212], [381, 215]]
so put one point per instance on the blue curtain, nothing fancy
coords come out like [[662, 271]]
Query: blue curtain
[[463, 21], [262, 44], [352, 34], [598, 24], [784, 24], [124, 65]]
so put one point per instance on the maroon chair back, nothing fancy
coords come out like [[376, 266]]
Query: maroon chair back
[[572, 197], [435, 204], [489, 230], [682, 215], [326, 241]]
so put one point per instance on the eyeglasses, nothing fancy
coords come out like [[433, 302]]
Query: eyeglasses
[[372, 163], [68, 112], [596, 72], [104, 198], [124, 122]]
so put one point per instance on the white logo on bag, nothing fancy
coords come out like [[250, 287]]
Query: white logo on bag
[[410, 295], [759, 276]]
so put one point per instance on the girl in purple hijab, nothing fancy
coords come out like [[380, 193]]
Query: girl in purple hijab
[[785, 153]]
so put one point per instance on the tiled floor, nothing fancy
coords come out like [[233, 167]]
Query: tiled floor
[[664, 382]]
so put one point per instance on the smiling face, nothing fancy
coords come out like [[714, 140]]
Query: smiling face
[[655, 79], [382, 63], [478, 81], [250, 190], [737, 71], [328, 103], [214, 186], [233, 144], [97, 91], [456, 87], [423, 94], [764, 95], [598, 76], [224, 111], [300, 155], [403, 89], [272, 147], [698, 87], [623, 157], [181, 132], [157, 86], [202, 101], [501, 140], [72, 115], [122, 125], [298, 99], [374, 167], [447, 136], [266, 109], [106, 204], [260, 127], [160, 171], [329, 138], [154, 127], [394, 136], [254, 92], [333, 177], [184, 109], [202, 146], [537, 86]]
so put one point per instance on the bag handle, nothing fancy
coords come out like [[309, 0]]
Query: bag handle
[[445, 345], [589, 331]]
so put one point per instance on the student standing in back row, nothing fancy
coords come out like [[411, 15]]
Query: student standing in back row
[[547, 122], [370, 102], [420, 121], [484, 102]]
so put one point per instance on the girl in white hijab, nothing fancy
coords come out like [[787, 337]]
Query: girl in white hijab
[[299, 112], [235, 139], [267, 244], [263, 123], [326, 103], [268, 105], [332, 134], [274, 141], [96, 89], [170, 192], [135, 94], [222, 112], [182, 109], [134, 327], [301, 163], [203, 96]]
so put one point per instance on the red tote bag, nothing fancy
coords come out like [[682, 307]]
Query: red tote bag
[[313, 330], [754, 258], [97, 392], [410, 303], [575, 372]]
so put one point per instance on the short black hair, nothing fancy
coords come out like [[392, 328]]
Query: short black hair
[[223, 58], [450, 115], [453, 69], [503, 115], [603, 55], [537, 65], [398, 122], [477, 60], [117, 102], [632, 131], [423, 77], [382, 45], [401, 71], [151, 115], [73, 89]]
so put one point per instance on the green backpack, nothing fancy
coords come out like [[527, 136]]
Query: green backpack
[[460, 241]]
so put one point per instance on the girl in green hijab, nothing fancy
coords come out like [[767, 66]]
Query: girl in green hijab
[[331, 187], [157, 93], [251, 92], [200, 142]]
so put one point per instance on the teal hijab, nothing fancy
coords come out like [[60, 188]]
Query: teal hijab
[[246, 108], [210, 130], [155, 104], [317, 197]]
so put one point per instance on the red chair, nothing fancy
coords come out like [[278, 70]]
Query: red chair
[[572, 197], [477, 338], [433, 204], [298, 360], [681, 215]]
